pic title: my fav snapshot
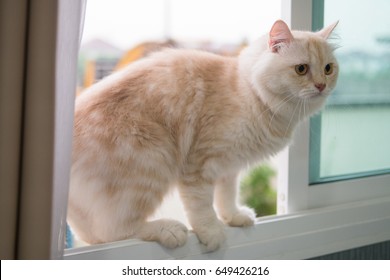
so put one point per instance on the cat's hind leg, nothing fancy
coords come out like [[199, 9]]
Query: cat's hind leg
[[101, 213], [126, 215], [142, 201]]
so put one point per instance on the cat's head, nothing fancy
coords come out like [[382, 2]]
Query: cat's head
[[293, 66]]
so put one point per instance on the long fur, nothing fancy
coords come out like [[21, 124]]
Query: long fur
[[192, 120]]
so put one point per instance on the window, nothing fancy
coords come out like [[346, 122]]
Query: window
[[349, 139], [39, 43], [294, 187], [309, 227], [314, 219]]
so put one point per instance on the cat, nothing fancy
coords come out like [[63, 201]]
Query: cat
[[191, 120]]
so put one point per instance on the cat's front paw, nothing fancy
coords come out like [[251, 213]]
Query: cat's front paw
[[212, 236], [244, 217], [173, 234]]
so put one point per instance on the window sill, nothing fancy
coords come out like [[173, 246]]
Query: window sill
[[302, 235]]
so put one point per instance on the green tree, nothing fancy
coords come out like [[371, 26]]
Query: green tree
[[257, 191]]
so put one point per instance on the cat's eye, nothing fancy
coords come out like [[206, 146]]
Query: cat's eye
[[301, 69], [328, 69]]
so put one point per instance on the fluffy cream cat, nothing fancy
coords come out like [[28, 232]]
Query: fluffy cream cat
[[191, 120]]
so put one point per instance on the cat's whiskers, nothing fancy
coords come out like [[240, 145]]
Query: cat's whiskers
[[292, 117], [303, 107], [300, 109], [278, 107], [307, 93], [271, 108]]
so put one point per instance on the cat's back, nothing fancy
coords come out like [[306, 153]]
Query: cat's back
[[169, 91], [167, 72], [162, 87]]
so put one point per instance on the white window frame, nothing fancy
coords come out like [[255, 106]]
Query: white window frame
[[312, 220]]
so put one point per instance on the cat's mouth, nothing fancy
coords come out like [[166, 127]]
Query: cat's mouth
[[317, 94], [313, 94]]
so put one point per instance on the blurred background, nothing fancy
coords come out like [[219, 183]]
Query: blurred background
[[117, 32]]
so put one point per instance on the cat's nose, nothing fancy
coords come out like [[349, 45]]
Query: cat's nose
[[320, 87]]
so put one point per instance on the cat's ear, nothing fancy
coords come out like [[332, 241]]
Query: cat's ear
[[279, 34], [325, 32]]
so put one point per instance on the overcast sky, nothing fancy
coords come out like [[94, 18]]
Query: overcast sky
[[128, 22]]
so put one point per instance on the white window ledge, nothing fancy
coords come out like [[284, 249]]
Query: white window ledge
[[302, 235]]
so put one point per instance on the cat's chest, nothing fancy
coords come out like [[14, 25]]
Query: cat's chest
[[237, 153], [258, 140]]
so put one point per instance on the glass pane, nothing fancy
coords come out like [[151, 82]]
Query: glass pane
[[351, 138]]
